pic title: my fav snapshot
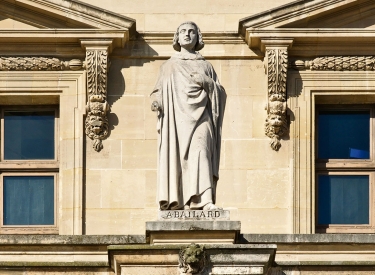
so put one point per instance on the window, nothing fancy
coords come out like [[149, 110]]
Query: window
[[29, 169], [344, 168], [29, 135]]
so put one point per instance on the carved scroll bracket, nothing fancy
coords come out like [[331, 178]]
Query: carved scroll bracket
[[96, 123], [276, 62]]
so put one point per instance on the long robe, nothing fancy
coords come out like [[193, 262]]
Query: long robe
[[189, 128]]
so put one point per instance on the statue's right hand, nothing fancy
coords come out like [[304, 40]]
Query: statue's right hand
[[155, 106], [203, 80], [197, 78]]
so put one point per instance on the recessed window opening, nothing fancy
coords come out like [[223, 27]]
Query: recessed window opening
[[344, 134], [29, 135], [28, 200], [345, 168], [29, 169]]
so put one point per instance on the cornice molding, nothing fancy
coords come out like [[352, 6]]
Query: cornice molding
[[62, 36], [73, 12], [98, 16], [295, 11], [318, 36], [64, 21], [208, 37]]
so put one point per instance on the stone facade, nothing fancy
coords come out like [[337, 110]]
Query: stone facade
[[98, 62]]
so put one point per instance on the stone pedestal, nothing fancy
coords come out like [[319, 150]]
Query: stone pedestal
[[232, 259], [187, 242], [193, 226]]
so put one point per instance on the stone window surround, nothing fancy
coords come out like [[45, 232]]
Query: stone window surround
[[306, 89], [68, 89]]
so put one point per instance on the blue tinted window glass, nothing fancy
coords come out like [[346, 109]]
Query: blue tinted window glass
[[344, 135], [29, 135], [343, 199], [28, 200]]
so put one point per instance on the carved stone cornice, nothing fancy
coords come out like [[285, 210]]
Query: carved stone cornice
[[21, 63], [336, 63], [96, 124]]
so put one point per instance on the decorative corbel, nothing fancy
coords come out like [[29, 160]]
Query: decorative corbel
[[96, 123], [276, 53]]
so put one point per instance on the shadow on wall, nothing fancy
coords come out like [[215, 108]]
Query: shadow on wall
[[2, 18], [136, 53]]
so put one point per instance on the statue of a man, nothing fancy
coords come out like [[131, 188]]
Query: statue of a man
[[190, 103]]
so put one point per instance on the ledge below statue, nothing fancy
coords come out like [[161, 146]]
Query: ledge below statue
[[193, 226], [166, 260]]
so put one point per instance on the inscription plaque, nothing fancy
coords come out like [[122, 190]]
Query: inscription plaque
[[178, 215]]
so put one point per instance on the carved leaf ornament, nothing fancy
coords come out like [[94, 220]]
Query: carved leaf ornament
[[38, 64], [337, 63], [276, 123], [96, 123], [343, 63]]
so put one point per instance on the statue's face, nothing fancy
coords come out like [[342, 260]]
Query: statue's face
[[187, 36]]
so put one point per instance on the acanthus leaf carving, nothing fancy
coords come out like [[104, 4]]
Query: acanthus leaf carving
[[336, 63], [33, 63], [96, 123], [276, 122]]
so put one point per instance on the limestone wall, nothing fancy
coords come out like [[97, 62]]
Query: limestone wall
[[165, 15], [254, 180]]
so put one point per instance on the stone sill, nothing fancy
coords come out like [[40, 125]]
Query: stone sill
[[308, 238], [55, 264], [22, 239], [325, 263]]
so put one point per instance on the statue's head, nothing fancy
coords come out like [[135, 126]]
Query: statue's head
[[182, 30]]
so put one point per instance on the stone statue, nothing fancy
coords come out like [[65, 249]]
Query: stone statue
[[190, 103]]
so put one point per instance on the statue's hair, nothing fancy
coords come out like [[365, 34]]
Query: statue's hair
[[198, 46]]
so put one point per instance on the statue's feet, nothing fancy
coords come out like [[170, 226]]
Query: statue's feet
[[211, 206], [186, 207]]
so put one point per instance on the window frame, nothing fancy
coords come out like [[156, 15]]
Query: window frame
[[51, 163], [30, 167], [346, 167], [345, 163], [347, 228], [30, 229]]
